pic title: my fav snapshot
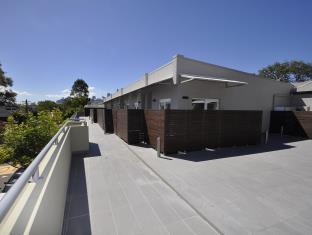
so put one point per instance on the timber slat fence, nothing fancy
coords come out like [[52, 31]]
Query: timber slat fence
[[186, 130], [295, 123]]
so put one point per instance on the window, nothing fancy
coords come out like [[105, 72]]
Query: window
[[136, 105], [205, 104], [164, 103]]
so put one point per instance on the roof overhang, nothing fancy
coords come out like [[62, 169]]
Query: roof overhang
[[88, 106], [228, 83], [301, 93]]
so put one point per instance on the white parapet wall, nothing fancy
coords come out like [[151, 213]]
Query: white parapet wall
[[39, 208]]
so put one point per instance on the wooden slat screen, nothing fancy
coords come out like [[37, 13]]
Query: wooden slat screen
[[100, 118], [108, 121], [155, 126], [295, 123], [194, 130], [188, 129]]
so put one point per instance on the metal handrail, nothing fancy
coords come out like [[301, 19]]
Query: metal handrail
[[74, 116], [32, 171]]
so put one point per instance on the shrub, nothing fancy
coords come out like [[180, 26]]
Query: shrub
[[23, 142]]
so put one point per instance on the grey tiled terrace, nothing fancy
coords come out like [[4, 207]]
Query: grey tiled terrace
[[112, 192], [246, 190]]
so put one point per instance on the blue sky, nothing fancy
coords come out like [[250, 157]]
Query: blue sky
[[45, 45]]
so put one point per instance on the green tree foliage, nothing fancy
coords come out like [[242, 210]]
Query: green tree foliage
[[7, 96], [46, 105], [20, 116], [72, 105], [80, 89], [292, 71], [23, 142], [77, 100]]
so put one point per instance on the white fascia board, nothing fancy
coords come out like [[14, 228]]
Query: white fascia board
[[190, 77]]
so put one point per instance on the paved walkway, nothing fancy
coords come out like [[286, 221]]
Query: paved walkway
[[247, 190], [124, 196]]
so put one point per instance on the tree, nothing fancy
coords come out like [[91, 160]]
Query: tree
[[292, 71], [7, 96], [72, 105], [80, 89], [46, 105], [23, 142]]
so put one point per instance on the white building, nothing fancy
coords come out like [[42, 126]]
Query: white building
[[185, 83], [302, 96]]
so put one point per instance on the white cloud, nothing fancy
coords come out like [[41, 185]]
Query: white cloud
[[92, 91], [55, 96], [66, 91], [25, 93]]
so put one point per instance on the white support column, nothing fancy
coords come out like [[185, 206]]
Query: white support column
[[146, 79], [177, 59]]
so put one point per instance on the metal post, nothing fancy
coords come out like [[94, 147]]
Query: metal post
[[266, 136], [35, 177], [282, 130], [158, 147]]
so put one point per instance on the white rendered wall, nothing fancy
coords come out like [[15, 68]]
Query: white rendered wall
[[39, 209]]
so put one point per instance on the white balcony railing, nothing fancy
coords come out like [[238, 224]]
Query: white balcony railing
[[35, 203]]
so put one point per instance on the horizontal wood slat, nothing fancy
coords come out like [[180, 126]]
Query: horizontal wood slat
[[188, 129], [296, 123], [155, 126], [194, 130]]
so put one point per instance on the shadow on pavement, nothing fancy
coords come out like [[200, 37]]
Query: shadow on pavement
[[275, 143]]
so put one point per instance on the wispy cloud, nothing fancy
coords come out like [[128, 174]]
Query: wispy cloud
[[66, 92], [25, 93], [55, 96], [92, 91]]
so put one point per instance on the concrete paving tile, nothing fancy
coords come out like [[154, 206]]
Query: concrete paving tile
[[125, 221], [183, 210], [78, 188], [79, 226], [117, 198], [149, 192], [102, 222], [166, 214], [160, 230], [78, 206], [99, 202], [146, 216], [199, 226], [266, 191], [280, 228], [179, 228], [134, 195], [251, 214], [302, 225]]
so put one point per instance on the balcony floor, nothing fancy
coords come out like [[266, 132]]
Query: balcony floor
[[112, 192], [264, 189]]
